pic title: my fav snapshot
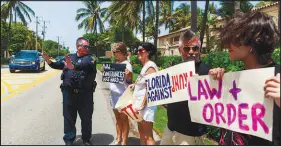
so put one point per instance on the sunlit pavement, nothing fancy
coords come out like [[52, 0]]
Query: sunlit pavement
[[20, 81]]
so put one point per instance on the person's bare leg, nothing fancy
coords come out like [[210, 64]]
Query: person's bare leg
[[140, 128], [147, 133], [125, 128], [118, 126]]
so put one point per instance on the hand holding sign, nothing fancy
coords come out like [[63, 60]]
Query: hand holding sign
[[272, 89], [217, 73]]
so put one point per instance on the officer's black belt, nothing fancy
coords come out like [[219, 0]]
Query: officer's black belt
[[72, 89]]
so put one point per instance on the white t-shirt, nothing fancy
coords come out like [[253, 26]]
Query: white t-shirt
[[140, 87], [121, 87]]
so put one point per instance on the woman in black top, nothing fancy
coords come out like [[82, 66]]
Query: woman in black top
[[252, 38]]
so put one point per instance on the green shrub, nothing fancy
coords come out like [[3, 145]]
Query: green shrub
[[137, 68], [104, 60], [167, 61], [221, 59], [134, 59], [213, 133], [276, 55]]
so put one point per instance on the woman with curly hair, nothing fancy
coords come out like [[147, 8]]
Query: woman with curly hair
[[252, 38]]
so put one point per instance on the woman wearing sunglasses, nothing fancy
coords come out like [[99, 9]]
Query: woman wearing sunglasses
[[117, 89], [145, 52]]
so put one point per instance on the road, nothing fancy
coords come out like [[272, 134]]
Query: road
[[31, 111]]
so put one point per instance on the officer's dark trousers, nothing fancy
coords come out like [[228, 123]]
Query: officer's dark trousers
[[73, 103]]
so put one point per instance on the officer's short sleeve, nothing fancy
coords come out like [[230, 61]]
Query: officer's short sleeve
[[129, 67]]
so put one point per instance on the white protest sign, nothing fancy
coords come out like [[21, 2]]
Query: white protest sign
[[236, 102], [169, 85], [125, 105]]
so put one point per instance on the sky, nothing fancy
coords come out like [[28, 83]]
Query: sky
[[60, 19]]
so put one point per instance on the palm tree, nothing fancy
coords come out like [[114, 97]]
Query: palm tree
[[30, 42], [91, 16], [212, 8], [150, 19], [156, 27], [194, 16], [19, 9], [143, 21], [182, 16], [204, 22], [166, 12], [126, 13], [227, 7]]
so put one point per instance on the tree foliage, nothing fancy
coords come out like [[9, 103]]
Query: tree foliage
[[227, 7], [51, 48], [91, 16]]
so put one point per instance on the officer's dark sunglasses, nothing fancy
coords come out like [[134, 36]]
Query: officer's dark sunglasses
[[188, 48], [85, 46]]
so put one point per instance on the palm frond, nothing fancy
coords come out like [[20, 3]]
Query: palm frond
[[21, 16], [82, 15], [84, 24], [27, 8], [23, 9], [83, 10]]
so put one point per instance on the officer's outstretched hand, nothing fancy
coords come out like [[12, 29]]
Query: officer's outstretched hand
[[47, 58], [68, 62]]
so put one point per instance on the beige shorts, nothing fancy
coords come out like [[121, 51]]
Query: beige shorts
[[175, 138]]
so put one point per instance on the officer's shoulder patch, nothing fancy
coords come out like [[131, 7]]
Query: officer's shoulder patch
[[93, 60]]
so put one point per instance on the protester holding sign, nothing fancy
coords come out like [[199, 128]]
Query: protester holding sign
[[180, 129], [117, 89], [145, 52], [251, 38]]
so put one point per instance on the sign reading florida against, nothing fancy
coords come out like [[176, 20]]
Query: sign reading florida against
[[235, 102], [114, 73], [169, 85]]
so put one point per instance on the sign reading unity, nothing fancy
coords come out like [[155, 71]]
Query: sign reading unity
[[235, 102], [169, 85], [114, 73]]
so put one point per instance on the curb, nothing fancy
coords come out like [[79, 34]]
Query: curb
[[4, 66], [134, 126]]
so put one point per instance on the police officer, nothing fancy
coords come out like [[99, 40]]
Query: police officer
[[79, 73]]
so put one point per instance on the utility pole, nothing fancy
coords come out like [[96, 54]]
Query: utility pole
[[36, 32], [43, 33], [44, 27], [63, 45], [58, 43]]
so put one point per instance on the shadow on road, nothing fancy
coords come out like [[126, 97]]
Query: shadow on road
[[133, 141], [136, 141], [97, 139]]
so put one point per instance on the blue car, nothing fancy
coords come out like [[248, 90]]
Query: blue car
[[27, 60]]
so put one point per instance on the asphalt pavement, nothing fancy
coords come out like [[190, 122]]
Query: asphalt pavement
[[32, 114]]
